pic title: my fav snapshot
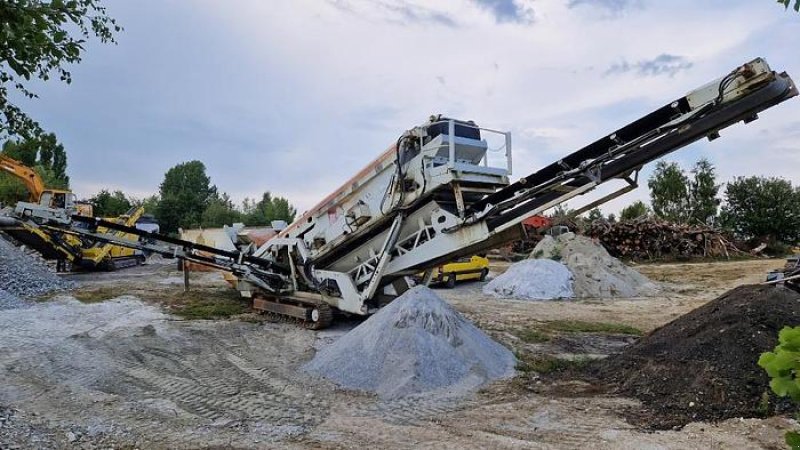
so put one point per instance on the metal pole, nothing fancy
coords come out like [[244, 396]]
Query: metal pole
[[508, 151], [451, 131]]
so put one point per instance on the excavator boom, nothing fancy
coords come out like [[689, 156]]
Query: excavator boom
[[33, 182]]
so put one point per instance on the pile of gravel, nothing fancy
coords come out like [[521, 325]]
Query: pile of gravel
[[23, 277], [533, 279], [416, 344], [596, 274], [10, 301], [703, 365]]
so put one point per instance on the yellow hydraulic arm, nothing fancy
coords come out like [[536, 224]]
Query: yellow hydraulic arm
[[104, 254], [27, 175]]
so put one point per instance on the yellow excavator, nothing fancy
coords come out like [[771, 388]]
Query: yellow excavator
[[55, 204], [50, 198]]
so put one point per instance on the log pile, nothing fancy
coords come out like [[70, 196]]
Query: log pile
[[652, 239]]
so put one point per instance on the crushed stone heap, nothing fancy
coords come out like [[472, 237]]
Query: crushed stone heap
[[416, 344], [703, 365], [10, 301], [22, 277], [596, 274], [533, 279]]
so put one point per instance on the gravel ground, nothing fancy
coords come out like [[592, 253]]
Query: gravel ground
[[11, 301], [22, 276]]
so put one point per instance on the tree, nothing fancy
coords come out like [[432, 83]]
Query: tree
[[220, 211], [786, 4], [150, 204], [185, 194], [612, 218], [42, 153], [107, 204], [635, 210], [669, 193], [703, 191], [39, 39], [269, 208], [595, 214], [762, 208]]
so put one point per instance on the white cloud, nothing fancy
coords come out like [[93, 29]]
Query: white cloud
[[294, 97]]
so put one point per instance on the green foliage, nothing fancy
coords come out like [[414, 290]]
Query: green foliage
[[634, 211], [11, 190], [783, 365], [269, 208], [786, 4], [108, 204], [150, 204], [611, 218], [762, 208], [45, 155], [220, 211], [185, 194], [677, 198], [562, 211], [703, 190], [669, 194], [39, 39], [594, 214]]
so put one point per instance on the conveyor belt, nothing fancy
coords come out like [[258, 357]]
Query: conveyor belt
[[625, 150]]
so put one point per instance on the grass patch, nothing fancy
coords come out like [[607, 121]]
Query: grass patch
[[577, 326], [532, 336], [196, 304], [96, 295], [547, 364], [208, 304]]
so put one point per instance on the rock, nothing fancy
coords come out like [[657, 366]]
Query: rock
[[23, 277]]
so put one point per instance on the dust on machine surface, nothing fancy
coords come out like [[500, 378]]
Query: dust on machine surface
[[433, 197]]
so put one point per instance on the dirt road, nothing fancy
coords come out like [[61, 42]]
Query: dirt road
[[125, 373]]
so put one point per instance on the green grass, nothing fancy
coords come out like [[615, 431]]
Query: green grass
[[96, 295], [196, 304], [213, 309], [577, 326], [546, 364], [532, 336], [208, 304]]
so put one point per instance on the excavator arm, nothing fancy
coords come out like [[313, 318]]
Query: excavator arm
[[33, 182]]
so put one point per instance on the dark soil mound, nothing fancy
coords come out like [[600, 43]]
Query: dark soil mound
[[703, 365]]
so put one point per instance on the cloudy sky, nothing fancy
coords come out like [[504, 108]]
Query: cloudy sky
[[295, 96]]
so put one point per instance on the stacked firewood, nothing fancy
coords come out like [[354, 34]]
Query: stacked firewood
[[652, 239]]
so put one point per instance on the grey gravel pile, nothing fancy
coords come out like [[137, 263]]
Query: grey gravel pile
[[596, 274], [23, 277], [10, 301], [416, 344]]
